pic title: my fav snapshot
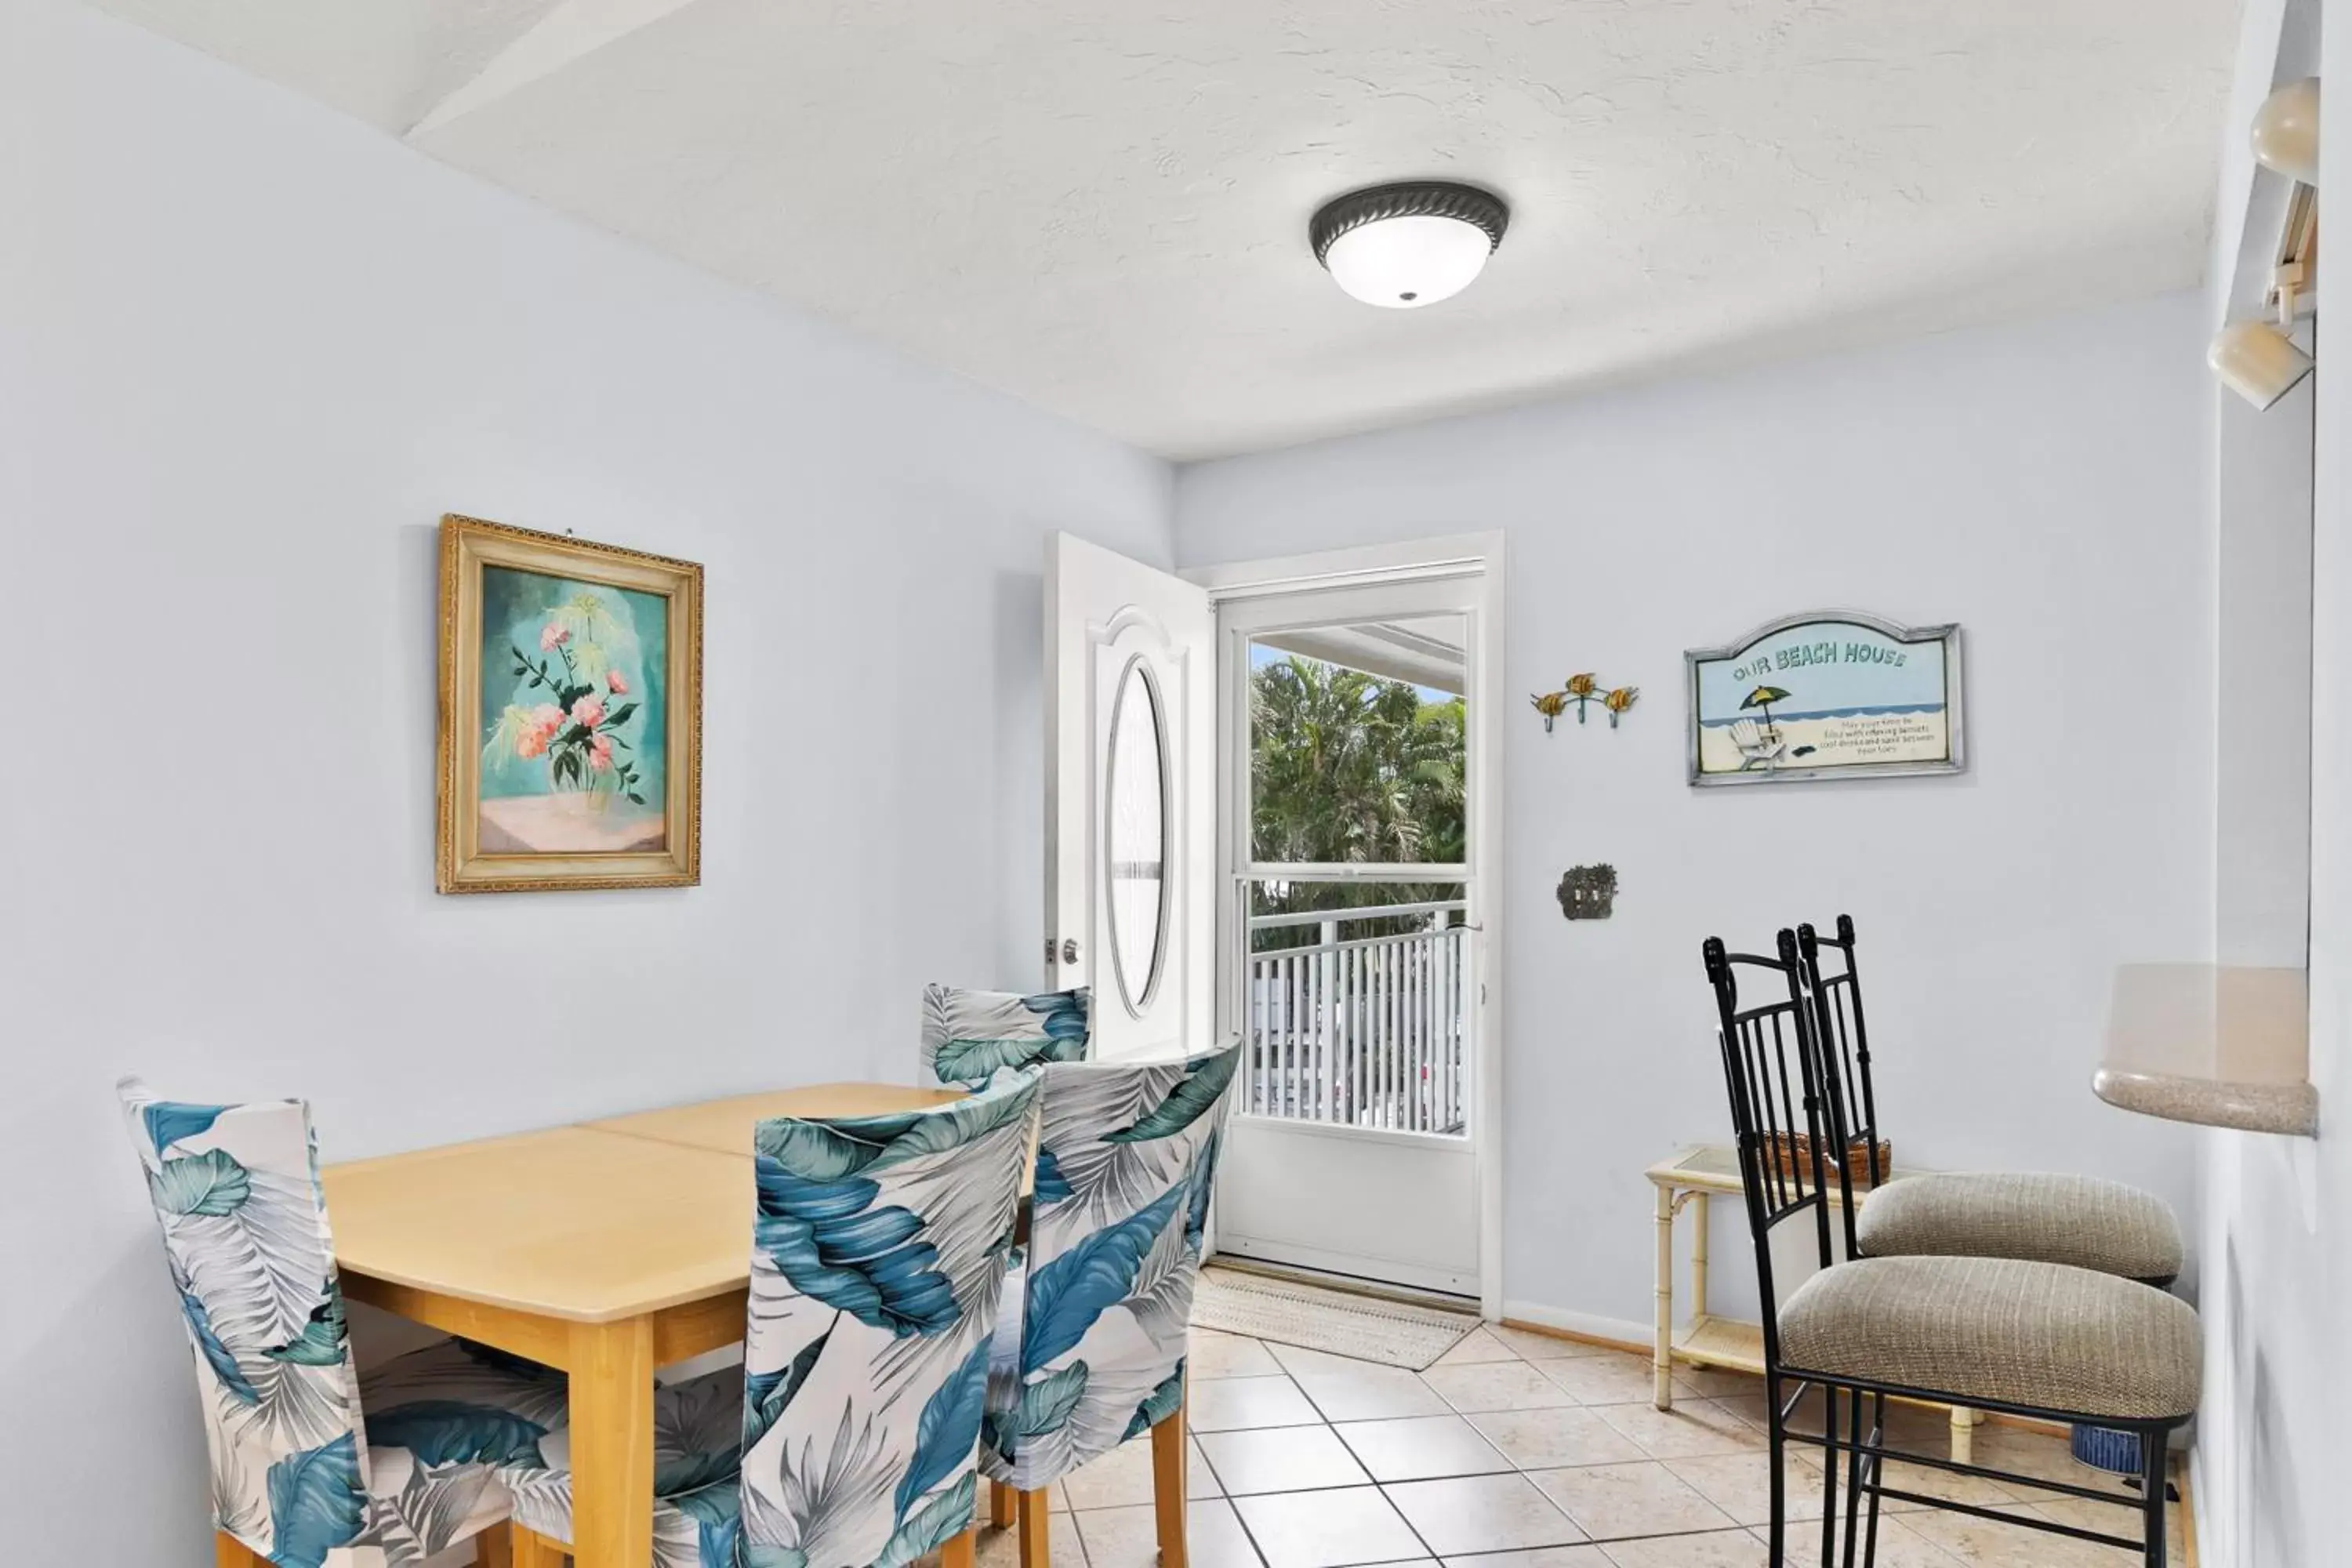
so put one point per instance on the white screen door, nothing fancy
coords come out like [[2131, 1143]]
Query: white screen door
[[1130, 797], [1357, 738]]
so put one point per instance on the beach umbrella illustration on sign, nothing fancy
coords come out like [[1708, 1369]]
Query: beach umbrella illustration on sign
[[1764, 697]]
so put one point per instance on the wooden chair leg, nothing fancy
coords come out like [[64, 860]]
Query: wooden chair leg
[[958, 1551], [1169, 1450], [1004, 1505], [1035, 1548], [229, 1552], [529, 1548], [494, 1548]]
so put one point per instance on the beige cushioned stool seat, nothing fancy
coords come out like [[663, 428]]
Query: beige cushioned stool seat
[[2103, 1227], [1999, 1331]]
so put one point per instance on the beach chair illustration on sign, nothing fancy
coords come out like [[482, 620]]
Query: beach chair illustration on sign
[[1760, 745]]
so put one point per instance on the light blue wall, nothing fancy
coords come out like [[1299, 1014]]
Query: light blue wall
[[249, 354], [2039, 483]]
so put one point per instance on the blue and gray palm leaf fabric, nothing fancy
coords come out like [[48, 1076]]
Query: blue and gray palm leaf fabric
[[698, 1437], [969, 1036], [877, 1269], [1089, 1350], [298, 1475]]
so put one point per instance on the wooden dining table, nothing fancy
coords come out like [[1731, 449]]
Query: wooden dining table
[[605, 1249]]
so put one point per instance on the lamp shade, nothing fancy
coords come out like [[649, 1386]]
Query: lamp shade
[[2254, 360], [2287, 131], [1406, 245]]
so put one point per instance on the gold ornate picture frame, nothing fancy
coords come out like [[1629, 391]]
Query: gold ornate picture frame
[[571, 734]]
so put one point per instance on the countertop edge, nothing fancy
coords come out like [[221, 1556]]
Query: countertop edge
[[2289, 1109]]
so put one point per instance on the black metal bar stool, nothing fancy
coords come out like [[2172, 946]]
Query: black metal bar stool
[[2045, 1340], [2105, 1226]]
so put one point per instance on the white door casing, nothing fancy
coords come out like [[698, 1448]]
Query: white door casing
[[1130, 656]]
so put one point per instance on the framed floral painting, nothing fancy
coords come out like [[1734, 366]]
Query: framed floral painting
[[571, 740]]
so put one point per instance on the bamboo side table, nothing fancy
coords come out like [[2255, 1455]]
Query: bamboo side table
[[1713, 1171]]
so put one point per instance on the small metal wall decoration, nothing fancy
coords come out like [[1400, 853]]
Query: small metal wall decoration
[[1589, 892], [1581, 690]]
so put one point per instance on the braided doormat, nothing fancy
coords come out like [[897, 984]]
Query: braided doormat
[[1366, 1328]]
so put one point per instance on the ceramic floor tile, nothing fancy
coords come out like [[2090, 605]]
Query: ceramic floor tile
[[1612, 1501], [1613, 1379], [1692, 1429], [1281, 1460], [1328, 1530], [1297, 1359], [1540, 1557], [1549, 1439], [1715, 1382], [1496, 1385], [2038, 1453], [1469, 1514], [1422, 1447], [1001, 1548], [1231, 1404], [1130, 1537], [1717, 1549], [1478, 1345], [1742, 1484], [1534, 1346], [2107, 1519], [1898, 1547], [1212, 1355], [1929, 1482], [1370, 1393], [1122, 1479], [1751, 1408], [1981, 1543], [1199, 1480]]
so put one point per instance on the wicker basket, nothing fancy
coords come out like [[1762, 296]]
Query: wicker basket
[[1792, 1152]]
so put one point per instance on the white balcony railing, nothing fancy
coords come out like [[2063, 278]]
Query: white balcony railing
[[1363, 1032]]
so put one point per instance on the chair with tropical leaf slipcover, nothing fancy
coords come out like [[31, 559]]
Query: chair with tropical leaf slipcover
[[299, 1477], [1090, 1349], [969, 1037], [878, 1264]]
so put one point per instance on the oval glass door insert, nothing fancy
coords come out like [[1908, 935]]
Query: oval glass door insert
[[1136, 840]]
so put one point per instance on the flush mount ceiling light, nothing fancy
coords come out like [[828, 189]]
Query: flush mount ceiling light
[[1409, 245]]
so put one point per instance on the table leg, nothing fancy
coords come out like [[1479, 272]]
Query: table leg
[[1699, 1208], [612, 1444], [1664, 1355], [1964, 1425]]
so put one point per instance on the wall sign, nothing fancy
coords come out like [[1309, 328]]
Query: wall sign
[[1835, 694]]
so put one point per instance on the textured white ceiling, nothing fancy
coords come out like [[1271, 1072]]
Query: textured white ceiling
[[1101, 205]]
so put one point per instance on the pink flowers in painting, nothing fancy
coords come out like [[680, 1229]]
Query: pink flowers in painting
[[581, 733]]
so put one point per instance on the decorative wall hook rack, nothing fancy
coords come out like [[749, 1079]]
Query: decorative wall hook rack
[[1581, 690]]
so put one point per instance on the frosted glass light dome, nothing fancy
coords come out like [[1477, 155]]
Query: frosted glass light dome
[[1406, 245], [1403, 263]]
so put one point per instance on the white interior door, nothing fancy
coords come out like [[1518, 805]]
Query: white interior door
[[1130, 797]]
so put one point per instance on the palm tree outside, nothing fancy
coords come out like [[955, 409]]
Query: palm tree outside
[[1348, 768]]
